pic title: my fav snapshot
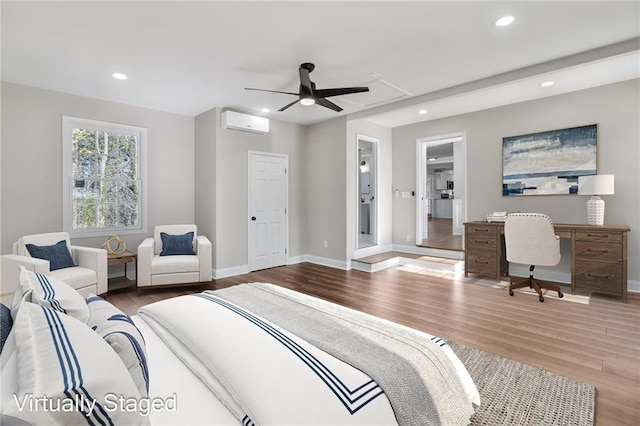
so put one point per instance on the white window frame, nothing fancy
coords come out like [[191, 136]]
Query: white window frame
[[70, 123]]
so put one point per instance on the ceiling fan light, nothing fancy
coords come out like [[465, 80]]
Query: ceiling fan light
[[307, 101]]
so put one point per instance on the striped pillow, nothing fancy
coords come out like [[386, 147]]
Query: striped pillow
[[6, 322], [86, 374], [53, 293], [121, 333]]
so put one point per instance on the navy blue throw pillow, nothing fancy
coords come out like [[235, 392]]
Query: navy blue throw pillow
[[176, 244], [58, 254], [6, 322]]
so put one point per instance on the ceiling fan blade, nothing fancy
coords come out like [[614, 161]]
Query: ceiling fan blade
[[288, 105], [272, 91], [326, 93], [328, 104]]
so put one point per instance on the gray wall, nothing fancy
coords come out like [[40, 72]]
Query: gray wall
[[384, 181], [32, 161], [325, 194], [223, 168], [613, 107], [205, 174]]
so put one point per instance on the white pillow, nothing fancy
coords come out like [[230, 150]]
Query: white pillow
[[53, 293], [119, 330], [63, 360]]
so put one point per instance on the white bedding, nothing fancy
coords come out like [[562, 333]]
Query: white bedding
[[220, 363], [196, 405], [265, 375], [264, 382]]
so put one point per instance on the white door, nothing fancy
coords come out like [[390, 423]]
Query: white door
[[267, 215]]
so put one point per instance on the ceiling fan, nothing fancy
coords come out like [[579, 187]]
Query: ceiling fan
[[309, 95]]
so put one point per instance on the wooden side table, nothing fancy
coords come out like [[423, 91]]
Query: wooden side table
[[119, 283]]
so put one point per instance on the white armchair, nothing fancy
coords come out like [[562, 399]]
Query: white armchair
[[154, 269], [88, 276]]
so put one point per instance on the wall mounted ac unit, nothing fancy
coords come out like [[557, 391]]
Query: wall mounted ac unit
[[248, 123]]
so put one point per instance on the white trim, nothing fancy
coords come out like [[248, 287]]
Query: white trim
[[295, 259], [325, 261], [421, 177], [376, 197], [564, 277], [447, 254], [230, 272], [633, 286], [68, 123], [369, 251]]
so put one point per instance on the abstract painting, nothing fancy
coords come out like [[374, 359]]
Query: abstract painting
[[548, 163]]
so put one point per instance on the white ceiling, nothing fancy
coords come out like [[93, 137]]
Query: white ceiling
[[189, 57]]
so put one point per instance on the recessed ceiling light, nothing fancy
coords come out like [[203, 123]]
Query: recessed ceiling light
[[546, 84], [307, 101], [504, 21], [422, 111], [265, 110], [119, 76]]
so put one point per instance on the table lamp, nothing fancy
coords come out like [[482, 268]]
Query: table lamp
[[595, 185]]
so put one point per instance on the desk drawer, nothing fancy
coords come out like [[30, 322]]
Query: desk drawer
[[481, 262], [482, 230], [601, 237], [599, 276], [598, 251], [482, 242]]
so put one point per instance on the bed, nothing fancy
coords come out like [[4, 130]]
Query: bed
[[251, 354]]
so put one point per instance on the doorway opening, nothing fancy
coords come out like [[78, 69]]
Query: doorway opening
[[367, 228], [440, 205]]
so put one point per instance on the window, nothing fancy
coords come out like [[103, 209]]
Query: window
[[103, 177]]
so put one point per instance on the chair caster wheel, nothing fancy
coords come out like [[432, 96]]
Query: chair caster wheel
[[560, 295], [510, 292], [541, 299]]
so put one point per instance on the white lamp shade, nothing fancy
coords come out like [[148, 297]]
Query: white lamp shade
[[596, 185]]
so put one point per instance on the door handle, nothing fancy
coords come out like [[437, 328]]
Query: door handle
[[253, 218]]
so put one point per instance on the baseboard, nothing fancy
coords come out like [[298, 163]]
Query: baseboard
[[325, 261], [230, 272], [370, 251], [633, 286], [544, 274], [295, 259], [448, 254]]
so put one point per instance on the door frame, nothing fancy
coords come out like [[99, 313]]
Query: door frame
[[459, 140], [286, 203], [376, 191]]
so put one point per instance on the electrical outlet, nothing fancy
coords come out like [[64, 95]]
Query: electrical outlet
[[408, 237], [324, 244]]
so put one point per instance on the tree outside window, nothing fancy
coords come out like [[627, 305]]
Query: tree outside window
[[103, 179]]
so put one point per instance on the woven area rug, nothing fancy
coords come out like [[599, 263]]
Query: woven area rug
[[513, 393]]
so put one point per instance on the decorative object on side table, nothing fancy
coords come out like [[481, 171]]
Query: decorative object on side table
[[596, 185], [120, 248]]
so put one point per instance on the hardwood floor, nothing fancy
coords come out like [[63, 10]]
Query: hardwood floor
[[597, 343], [440, 236]]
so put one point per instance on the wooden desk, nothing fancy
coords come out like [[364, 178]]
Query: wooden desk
[[598, 254]]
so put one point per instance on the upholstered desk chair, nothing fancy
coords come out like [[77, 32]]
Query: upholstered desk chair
[[531, 240], [83, 268], [175, 255]]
